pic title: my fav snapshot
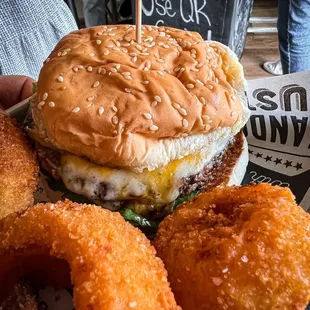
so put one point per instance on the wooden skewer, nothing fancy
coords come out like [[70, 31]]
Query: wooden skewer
[[138, 20]]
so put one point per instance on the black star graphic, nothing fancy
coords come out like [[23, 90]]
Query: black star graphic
[[278, 161], [288, 164], [298, 166], [250, 151], [268, 158], [259, 155]]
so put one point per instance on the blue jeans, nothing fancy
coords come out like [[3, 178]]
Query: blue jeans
[[294, 35]]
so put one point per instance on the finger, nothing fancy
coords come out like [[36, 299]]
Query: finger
[[14, 88]]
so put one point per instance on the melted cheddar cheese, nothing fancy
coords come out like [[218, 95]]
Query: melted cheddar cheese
[[159, 186]]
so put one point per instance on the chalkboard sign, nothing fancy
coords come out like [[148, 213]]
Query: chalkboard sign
[[225, 21]]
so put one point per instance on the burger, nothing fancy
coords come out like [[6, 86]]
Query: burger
[[140, 127]]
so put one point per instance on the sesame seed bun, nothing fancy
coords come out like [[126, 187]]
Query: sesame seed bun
[[120, 104]]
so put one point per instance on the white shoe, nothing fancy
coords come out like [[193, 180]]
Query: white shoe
[[273, 67]]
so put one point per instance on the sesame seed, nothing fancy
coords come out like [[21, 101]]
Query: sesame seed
[[225, 270], [193, 51], [133, 54], [203, 100], [112, 34], [117, 66], [113, 70], [209, 86], [115, 120], [145, 82], [158, 99], [161, 60], [116, 48], [138, 47], [162, 34], [176, 69], [51, 104], [64, 53], [154, 104], [114, 132], [47, 59], [106, 53], [194, 56], [184, 122], [127, 90], [160, 73], [151, 44], [125, 73], [190, 85], [91, 98], [233, 97], [232, 114], [99, 70], [41, 104], [96, 84], [60, 79], [45, 95], [101, 110], [154, 128], [182, 112], [149, 28], [148, 64], [166, 46], [91, 54], [195, 70], [146, 69], [198, 81], [103, 71], [127, 77], [176, 106], [180, 72], [216, 80], [244, 258], [80, 66], [132, 42], [199, 65], [134, 59], [76, 110], [114, 109], [59, 54], [118, 44], [75, 69], [144, 54], [147, 115], [90, 105], [89, 69], [160, 43], [214, 67], [125, 50], [110, 46], [126, 44], [207, 127], [98, 42]]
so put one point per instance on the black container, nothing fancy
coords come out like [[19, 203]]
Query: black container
[[225, 21]]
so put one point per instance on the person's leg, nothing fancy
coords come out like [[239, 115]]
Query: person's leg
[[94, 12], [294, 35]]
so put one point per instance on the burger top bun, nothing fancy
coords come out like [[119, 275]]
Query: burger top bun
[[122, 104]]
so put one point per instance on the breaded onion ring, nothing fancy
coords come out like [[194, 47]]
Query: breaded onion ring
[[113, 265], [18, 169], [238, 248]]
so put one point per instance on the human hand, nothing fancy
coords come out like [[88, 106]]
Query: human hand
[[13, 89]]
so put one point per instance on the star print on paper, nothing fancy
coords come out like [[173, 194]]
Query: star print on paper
[[288, 164], [298, 166], [268, 158], [250, 152], [259, 155], [278, 161]]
